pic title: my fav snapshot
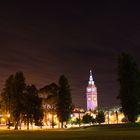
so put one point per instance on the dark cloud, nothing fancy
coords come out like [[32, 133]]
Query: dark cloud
[[45, 40]]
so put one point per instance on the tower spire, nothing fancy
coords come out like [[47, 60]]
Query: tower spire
[[91, 78], [90, 72]]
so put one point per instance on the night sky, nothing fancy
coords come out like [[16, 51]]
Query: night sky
[[45, 40]]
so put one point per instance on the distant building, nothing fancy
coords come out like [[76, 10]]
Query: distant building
[[91, 94]]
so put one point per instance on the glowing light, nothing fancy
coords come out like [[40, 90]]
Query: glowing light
[[71, 115], [89, 99], [3, 120]]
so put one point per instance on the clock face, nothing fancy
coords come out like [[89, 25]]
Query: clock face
[[94, 98], [89, 98]]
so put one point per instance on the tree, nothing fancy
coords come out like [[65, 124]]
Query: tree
[[49, 94], [7, 95], [129, 81], [78, 121], [38, 111], [31, 106], [87, 118], [100, 118], [12, 96], [64, 105], [18, 88]]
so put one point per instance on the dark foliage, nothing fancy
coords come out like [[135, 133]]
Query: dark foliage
[[87, 118], [100, 118], [12, 96], [64, 105], [21, 101], [129, 81], [32, 109]]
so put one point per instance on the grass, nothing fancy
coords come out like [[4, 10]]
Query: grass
[[105, 132]]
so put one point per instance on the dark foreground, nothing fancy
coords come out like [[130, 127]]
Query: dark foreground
[[112, 132]]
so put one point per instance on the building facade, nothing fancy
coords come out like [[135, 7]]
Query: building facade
[[91, 93]]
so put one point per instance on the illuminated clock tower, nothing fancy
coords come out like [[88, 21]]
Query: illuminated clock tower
[[91, 94]]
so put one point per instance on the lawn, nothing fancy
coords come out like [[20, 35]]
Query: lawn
[[112, 132]]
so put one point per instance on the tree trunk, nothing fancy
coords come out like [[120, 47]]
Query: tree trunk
[[20, 121], [16, 126], [62, 124], [117, 117], [20, 124], [27, 123], [108, 117], [9, 123], [79, 118], [52, 121]]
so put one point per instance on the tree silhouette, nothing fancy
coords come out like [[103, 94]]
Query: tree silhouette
[[87, 118], [129, 81], [50, 97], [100, 118], [31, 106], [64, 105]]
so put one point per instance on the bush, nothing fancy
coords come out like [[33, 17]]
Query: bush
[[100, 118], [87, 119]]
